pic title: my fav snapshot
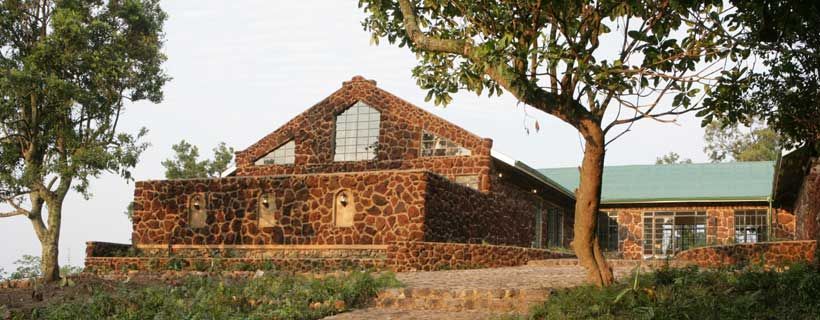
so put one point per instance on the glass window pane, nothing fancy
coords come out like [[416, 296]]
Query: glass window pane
[[432, 145], [357, 130], [283, 155]]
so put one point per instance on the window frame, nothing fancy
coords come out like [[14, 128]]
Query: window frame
[[374, 154], [278, 148], [454, 144], [668, 241], [611, 228], [756, 215]]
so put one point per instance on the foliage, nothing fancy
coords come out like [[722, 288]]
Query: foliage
[[67, 69], [671, 158], [69, 270], [727, 142], [2, 274], [186, 163], [273, 296], [785, 35], [694, 294], [28, 266]]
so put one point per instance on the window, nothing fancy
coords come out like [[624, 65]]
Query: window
[[751, 226], [435, 146], [468, 181], [539, 228], [666, 233], [555, 227], [357, 133], [285, 154], [608, 230]]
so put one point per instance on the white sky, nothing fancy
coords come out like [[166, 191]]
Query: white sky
[[243, 68]]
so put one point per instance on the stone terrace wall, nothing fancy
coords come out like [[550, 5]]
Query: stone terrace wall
[[389, 206], [768, 254], [719, 224], [414, 256], [457, 213]]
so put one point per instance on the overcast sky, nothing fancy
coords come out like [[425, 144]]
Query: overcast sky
[[243, 68]]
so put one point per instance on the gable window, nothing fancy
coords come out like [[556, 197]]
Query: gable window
[[285, 154], [467, 181], [750, 226], [435, 146], [608, 230], [357, 133]]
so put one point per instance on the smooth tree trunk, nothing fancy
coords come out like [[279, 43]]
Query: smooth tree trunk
[[48, 232], [588, 198]]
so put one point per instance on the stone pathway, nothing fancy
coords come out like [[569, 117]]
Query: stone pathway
[[472, 294]]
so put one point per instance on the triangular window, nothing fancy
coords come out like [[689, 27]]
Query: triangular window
[[435, 146], [285, 154]]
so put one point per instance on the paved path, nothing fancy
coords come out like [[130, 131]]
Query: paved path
[[523, 278]]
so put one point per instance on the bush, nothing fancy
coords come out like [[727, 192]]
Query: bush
[[694, 294], [28, 266], [276, 296]]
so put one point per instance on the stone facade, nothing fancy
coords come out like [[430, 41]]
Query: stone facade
[[720, 224], [807, 205], [767, 254], [312, 198]]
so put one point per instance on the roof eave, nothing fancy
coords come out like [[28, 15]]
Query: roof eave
[[529, 171]]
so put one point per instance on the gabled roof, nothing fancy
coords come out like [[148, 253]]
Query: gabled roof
[[702, 182]]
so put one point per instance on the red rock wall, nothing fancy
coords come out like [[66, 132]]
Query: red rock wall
[[504, 217], [719, 223], [415, 256], [767, 254], [807, 205], [389, 206]]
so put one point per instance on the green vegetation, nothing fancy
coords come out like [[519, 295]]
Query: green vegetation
[[273, 296], [694, 294], [186, 163]]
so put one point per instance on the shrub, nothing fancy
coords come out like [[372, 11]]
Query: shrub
[[273, 296], [28, 266], [690, 293]]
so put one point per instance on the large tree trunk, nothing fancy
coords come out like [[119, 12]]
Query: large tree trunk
[[50, 261], [588, 198]]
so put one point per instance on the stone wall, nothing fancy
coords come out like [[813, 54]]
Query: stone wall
[[389, 206], [807, 205], [413, 256], [719, 223], [397, 256], [767, 254]]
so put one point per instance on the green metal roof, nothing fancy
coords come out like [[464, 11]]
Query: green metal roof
[[705, 182]]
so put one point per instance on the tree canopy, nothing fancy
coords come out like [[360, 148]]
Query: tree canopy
[[783, 89], [67, 70], [671, 158], [731, 143], [599, 66], [186, 163]]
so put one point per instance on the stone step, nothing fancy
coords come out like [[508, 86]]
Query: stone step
[[495, 301]]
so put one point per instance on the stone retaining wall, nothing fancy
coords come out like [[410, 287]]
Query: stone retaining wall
[[397, 256], [767, 254], [415, 256]]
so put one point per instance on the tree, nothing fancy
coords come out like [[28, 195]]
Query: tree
[[28, 266], [671, 158], [186, 164], [785, 91], [548, 54], [727, 142], [67, 68]]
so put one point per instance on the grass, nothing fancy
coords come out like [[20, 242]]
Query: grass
[[275, 296], [750, 293]]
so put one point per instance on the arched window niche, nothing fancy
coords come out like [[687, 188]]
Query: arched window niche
[[197, 211], [267, 210], [344, 209]]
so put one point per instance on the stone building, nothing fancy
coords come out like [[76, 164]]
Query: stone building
[[362, 173], [655, 211]]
